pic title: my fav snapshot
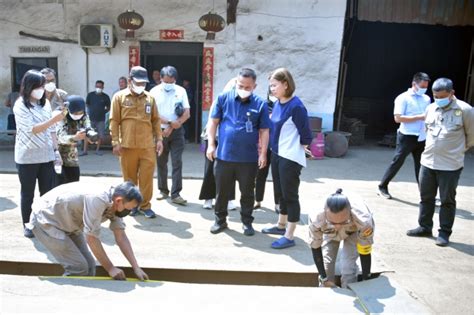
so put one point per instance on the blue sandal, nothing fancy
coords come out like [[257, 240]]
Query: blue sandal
[[274, 230], [283, 242]]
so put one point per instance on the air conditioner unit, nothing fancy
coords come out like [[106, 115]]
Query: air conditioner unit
[[96, 35]]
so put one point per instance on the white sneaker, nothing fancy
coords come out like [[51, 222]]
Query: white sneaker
[[207, 204], [231, 205]]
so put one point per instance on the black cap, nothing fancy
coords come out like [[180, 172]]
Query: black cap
[[75, 103], [139, 74]]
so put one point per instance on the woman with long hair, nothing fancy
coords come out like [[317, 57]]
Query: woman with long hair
[[35, 143]]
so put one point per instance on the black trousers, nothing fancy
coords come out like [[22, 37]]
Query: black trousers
[[286, 183], [447, 181], [208, 187], [28, 174], [405, 145], [173, 144], [261, 180], [226, 173]]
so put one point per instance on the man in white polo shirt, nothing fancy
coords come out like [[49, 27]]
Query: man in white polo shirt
[[173, 106], [409, 112]]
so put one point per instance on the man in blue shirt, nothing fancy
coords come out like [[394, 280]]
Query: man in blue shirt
[[409, 112], [242, 118]]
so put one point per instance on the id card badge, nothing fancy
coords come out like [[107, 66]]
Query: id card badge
[[148, 109], [248, 124]]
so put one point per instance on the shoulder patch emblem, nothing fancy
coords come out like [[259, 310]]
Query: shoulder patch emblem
[[457, 112]]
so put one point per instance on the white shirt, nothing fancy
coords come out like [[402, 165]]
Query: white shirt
[[410, 104], [166, 101], [32, 148]]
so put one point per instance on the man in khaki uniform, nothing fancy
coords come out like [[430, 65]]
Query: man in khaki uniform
[[68, 218], [449, 134], [136, 135], [346, 221]]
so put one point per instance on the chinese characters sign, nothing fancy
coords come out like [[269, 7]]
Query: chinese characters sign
[[171, 34], [207, 77], [133, 56]]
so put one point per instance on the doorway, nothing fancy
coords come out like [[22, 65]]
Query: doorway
[[21, 65], [187, 59], [381, 59]]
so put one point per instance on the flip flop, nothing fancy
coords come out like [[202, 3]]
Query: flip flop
[[283, 242]]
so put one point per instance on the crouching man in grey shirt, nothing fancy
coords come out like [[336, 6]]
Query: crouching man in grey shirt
[[68, 218]]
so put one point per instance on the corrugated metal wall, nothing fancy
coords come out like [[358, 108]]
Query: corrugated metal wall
[[444, 12]]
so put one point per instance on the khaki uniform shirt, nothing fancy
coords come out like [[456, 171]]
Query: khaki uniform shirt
[[134, 120], [449, 133], [321, 231], [66, 130], [74, 208]]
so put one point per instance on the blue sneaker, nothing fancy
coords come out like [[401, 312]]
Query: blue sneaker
[[150, 214], [283, 242], [134, 212]]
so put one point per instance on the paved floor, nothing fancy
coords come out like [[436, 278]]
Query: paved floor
[[441, 278]]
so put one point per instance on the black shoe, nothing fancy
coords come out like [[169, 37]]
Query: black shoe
[[248, 229], [442, 240], [217, 228], [383, 191], [28, 233], [419, 231]]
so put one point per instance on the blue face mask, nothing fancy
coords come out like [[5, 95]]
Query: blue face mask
[[442, 102], [420, 91], [168, 87]]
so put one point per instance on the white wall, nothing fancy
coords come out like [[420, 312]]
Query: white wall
[[303, 35]]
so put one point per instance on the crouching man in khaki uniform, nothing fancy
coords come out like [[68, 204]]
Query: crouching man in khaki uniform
[[342, 221], [68, 218]]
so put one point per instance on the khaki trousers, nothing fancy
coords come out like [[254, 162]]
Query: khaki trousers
[[72, 252], [348, 260], [138, 166]]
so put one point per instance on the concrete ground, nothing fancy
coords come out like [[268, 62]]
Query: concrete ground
[[441, 278]]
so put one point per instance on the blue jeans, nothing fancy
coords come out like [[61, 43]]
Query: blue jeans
[[447, 181]]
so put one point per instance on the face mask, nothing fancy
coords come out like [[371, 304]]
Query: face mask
[[243, 93], [137, 89], [98, 90], [168, 87], [442, 102], [50, 87], [37, 93], [76, 117], [420, 91], [272, 98], [123, 213]]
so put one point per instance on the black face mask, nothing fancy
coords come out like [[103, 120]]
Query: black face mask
[[123, 213]]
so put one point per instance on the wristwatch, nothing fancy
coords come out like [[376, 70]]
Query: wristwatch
[[322, 280]]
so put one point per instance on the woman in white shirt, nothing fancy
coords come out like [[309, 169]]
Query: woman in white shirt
[[35, 143]]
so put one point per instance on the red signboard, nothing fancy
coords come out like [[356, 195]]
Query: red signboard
[[133, 56], [171, 34], [207, 77]]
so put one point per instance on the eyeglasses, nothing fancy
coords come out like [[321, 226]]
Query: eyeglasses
[[348, 221]]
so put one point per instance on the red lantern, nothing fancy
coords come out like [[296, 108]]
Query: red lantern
[[130, 21], [211, 23]]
